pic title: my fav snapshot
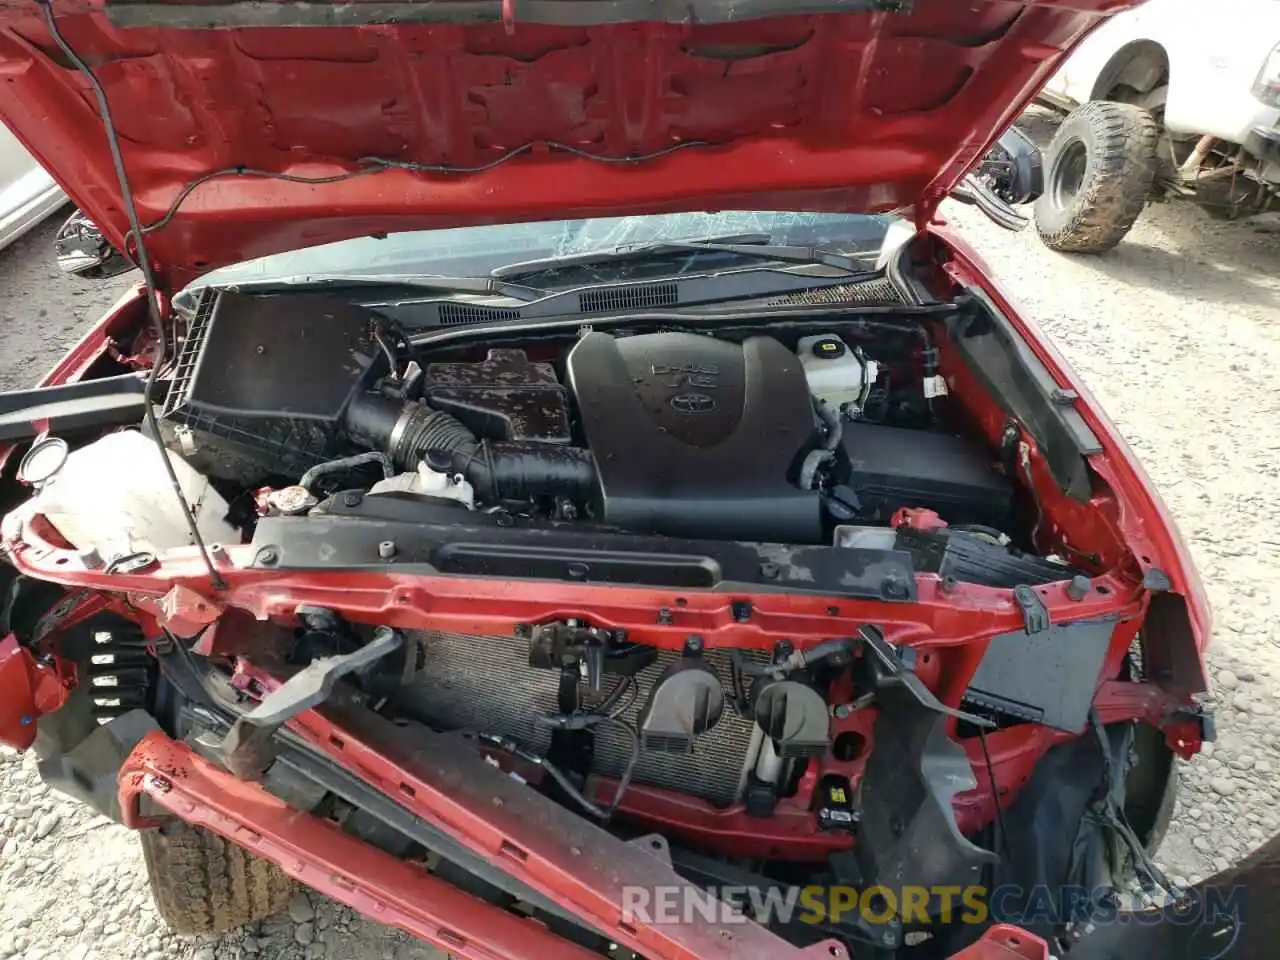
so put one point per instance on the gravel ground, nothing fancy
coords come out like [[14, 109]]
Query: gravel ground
[[1177, 332]]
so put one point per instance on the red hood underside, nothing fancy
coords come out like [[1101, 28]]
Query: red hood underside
[[444, 124]]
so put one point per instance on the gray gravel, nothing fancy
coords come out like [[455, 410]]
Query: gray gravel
[[1177, 333]]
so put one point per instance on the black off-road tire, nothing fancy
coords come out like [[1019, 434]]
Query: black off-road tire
[[203, 884], [1101, 170]]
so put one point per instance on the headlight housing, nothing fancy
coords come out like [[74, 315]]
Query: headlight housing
[[1267, 86]]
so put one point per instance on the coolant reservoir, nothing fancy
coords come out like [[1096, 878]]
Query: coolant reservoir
[[115, 495]]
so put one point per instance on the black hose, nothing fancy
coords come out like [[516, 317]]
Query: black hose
[[347, 463], [928, 352], [825, 453], [503, 470], [796, 661], [605, 706], [568, 786], [831, 419]]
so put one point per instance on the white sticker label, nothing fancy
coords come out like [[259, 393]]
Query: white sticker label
[[935, 386]]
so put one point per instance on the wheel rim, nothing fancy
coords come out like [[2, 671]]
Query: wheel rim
[[1067, 176]]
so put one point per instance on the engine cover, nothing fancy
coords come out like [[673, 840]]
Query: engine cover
[[697, 437]]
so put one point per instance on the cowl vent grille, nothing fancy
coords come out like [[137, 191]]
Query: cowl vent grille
[[457, 314], [629, 298], [878, 291]]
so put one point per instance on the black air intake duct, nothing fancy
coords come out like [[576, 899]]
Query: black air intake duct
[[413, 432]]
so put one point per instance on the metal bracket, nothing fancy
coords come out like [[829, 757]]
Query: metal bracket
[[563, 643], [891, 669], [247, 750], [654, 844], [1063, 396], [1035, 615]]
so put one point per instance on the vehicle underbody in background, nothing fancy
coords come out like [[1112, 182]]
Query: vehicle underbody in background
[[1163, 103], [762, 553]]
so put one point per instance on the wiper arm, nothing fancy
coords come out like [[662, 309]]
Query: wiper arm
[[753, 245], [484, 286]]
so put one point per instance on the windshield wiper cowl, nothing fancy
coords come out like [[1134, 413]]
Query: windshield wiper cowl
[[751, 246]]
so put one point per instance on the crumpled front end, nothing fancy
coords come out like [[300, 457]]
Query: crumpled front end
[[532, 647]]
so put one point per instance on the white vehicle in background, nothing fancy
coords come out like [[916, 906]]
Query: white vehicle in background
[[1178, 98], [27, 193]]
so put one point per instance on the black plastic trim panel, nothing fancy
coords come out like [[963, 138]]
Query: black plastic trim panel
[[475, 545], [80, 405], [1046, 677], [1025, 389]]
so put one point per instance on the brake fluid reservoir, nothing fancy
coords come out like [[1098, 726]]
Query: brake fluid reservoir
[[838, 376], [115, 495]]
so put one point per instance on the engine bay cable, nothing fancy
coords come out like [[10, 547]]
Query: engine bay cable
[[995, 793], [511, 746], [149, 279], [366, 166]]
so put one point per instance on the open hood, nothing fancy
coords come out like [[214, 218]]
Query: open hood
[[255, 126]]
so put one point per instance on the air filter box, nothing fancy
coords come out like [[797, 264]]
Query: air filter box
[[272, 376]]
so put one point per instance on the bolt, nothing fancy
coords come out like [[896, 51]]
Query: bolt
[[841, 711], [887, 937], [693, 644], [159, 784], [523, 631], [387, 549], [352, 499], [894, 589], [215, 548], [578, 571], [268, 556], [781, 650], [948, 585], [1079, 587], [666, 617], [769, 571], [741, 610]]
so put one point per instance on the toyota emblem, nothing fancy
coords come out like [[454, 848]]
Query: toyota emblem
[[693, 403]]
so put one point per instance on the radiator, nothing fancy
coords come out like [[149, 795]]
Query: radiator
[[485, 684]]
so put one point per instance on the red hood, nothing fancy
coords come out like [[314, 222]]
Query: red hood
[[419, 119]]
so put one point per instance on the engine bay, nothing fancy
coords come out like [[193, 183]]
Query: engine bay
[[776, 516], [810, 434]]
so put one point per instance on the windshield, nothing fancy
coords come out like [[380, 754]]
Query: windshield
[[474, 251]]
